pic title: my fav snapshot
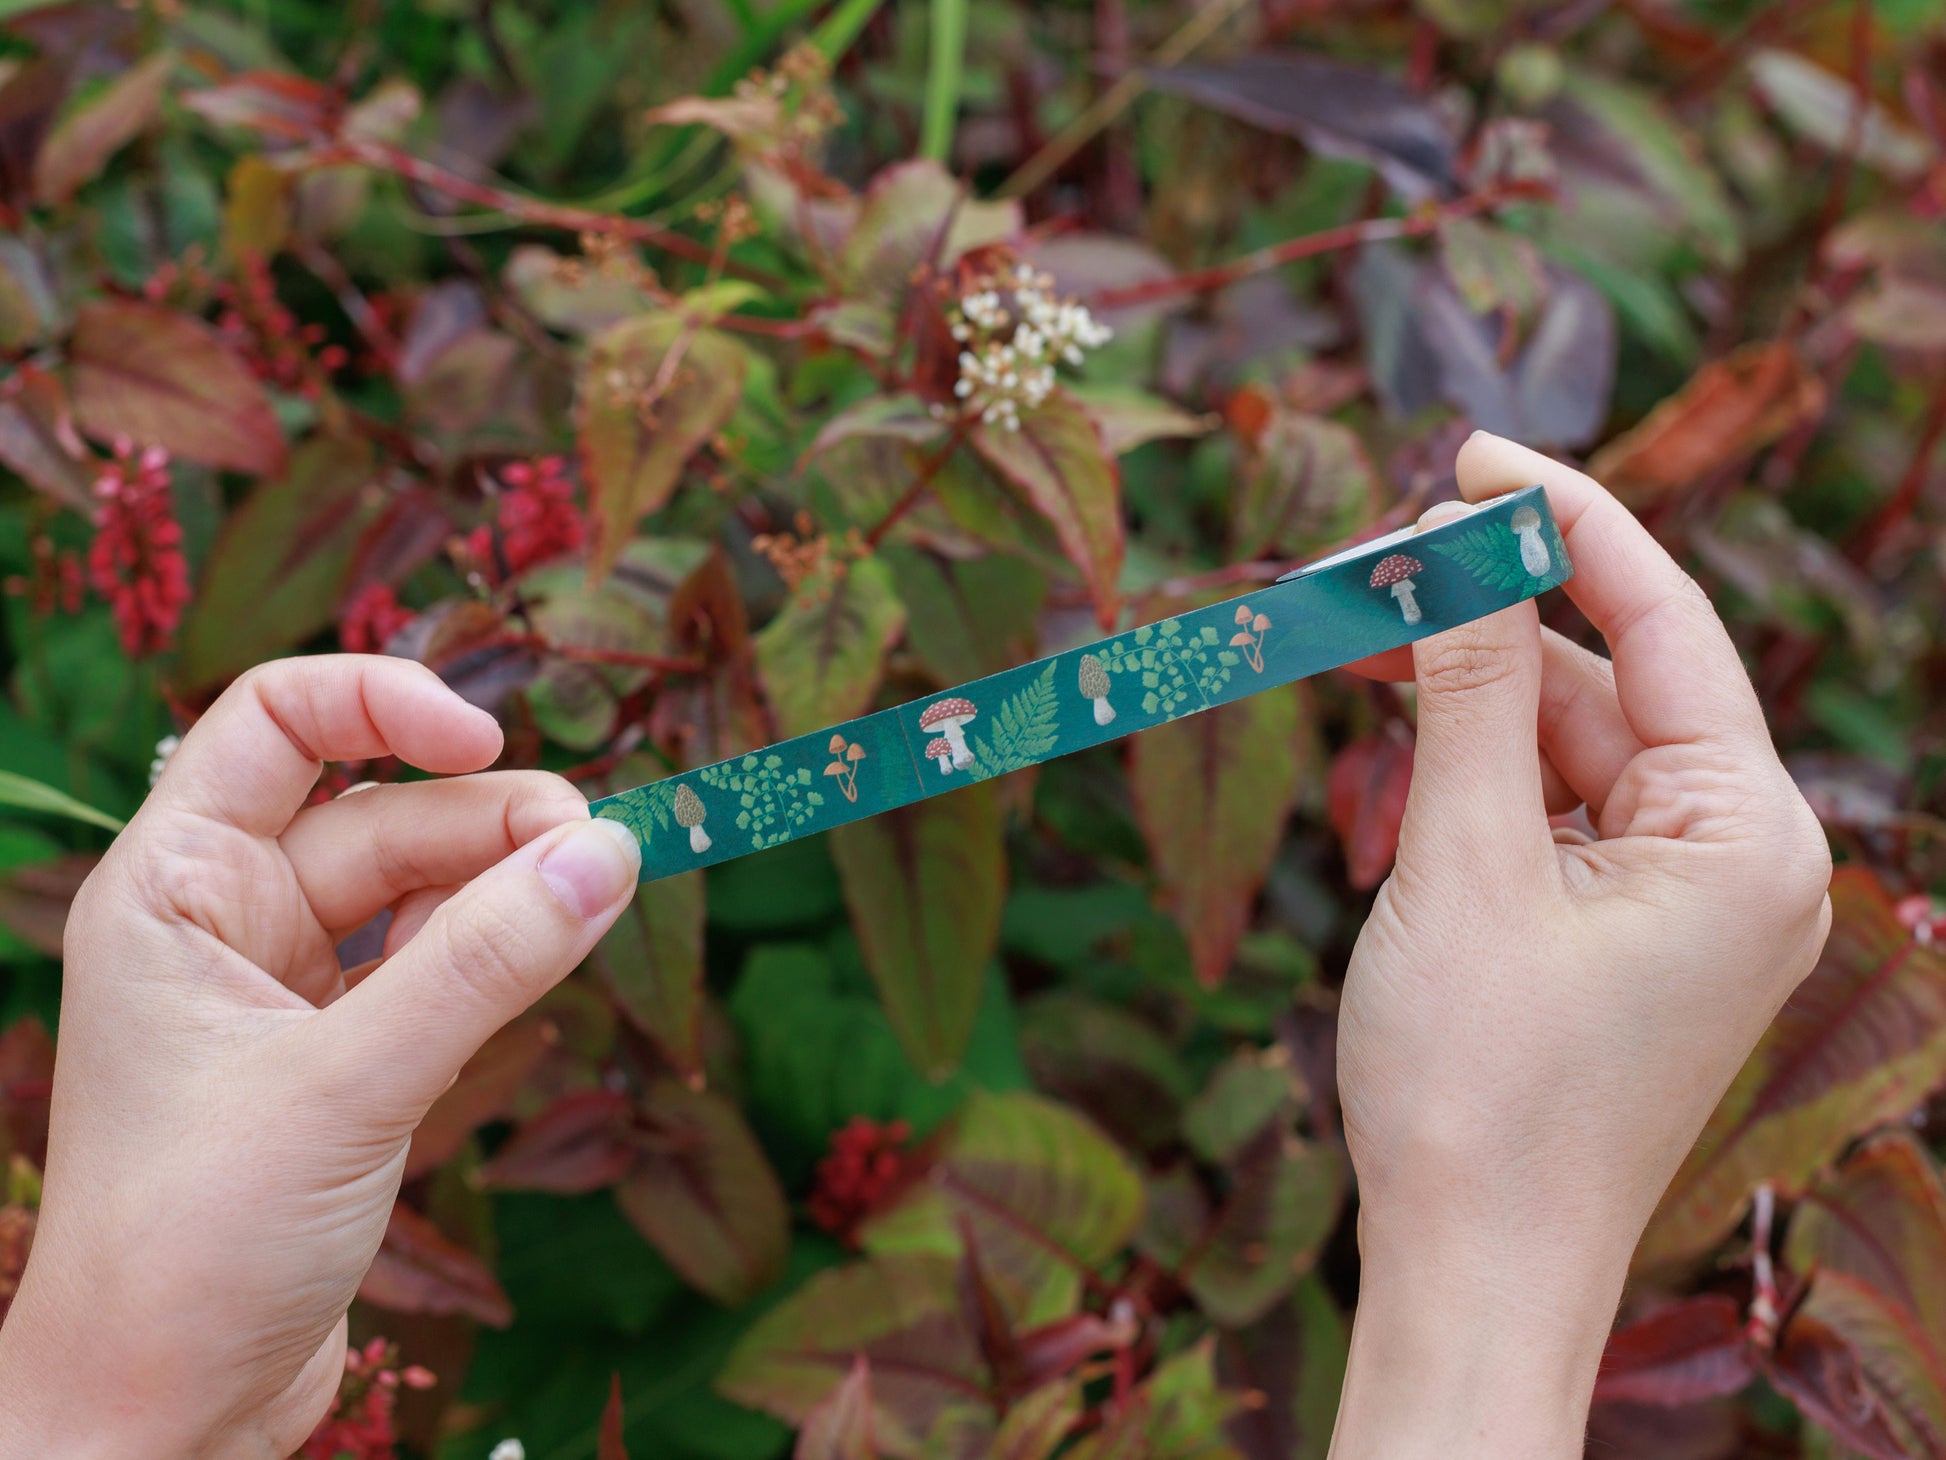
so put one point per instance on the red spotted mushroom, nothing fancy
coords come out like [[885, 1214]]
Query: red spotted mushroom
[[940, 751], [1396, 573], [948, 717]]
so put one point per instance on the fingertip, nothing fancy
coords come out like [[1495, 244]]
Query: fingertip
[[1488, 465]]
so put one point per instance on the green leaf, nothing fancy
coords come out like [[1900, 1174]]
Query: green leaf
[[916, 213], [1818, 104], [652, 958], [1046, 1194], [159, 378], [1128, 418], [23, 794], [896, 417], [1307, 482], [1177, 1414], [925, 883], [276, 574], [901, 1311], [1213, 792], [820, 659], [1246, 1093], [1861, 1042], [704, 1194], [1024, 731], [1057, 462], [1239, 1257], [967, 618], [1107, 1063], [820, 1050], [655, 389]]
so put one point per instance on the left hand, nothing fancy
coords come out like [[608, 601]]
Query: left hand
[[231, 1111]]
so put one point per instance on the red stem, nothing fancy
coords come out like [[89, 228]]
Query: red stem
[[400, 163], [915, 493], [1905, 497], [1345, 235]]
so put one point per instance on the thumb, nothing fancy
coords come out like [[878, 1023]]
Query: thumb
[[1476, 769], [487, 953]]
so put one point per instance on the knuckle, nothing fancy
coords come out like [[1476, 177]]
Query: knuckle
[[1463, 666]]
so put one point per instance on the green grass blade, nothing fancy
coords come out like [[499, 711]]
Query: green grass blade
[[944, 79], [30, 795]]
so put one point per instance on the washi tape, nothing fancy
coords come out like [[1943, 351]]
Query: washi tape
[[1379, 595]]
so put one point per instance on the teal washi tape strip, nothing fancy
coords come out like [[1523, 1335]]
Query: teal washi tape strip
[[1379, 595]]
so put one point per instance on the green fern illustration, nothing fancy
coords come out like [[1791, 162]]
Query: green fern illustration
[[1492, 555], [1024, 731], [645, 811], [774, 803], [1174, 668]]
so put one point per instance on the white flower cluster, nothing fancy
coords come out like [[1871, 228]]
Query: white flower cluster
[[509, 1450], [1011, 345], [164, 748]]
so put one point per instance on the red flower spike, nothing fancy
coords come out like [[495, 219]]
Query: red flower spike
[[371, 619], [867, 1169], [136, 561]]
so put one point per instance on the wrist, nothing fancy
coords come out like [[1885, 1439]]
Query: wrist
[[63, 1394], [1473, 1349]]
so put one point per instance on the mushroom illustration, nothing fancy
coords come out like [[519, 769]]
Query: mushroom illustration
[[1526, 523], [689, 813], [940, 751], [947, 716], [1396, 573], [1094, 686]]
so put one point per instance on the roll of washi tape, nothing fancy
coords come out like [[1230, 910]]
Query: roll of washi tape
[[1370, 598]]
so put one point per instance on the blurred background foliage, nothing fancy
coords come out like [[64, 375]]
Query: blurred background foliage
[[603, 356]]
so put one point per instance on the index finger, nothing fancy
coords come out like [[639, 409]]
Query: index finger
[[252, 760], [1677, 675]]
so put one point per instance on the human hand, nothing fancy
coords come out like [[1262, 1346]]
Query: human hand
[[1536, 1024], [231, 1112]]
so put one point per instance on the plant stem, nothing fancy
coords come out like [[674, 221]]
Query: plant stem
[[842, 25], [1114, 101], [384, 157], [914, 494], [1905, 497], [1345, 235], [943, 79]]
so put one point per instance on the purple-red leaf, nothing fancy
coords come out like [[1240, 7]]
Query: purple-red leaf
[[26, 1087], [579, 1143], [1366, 798], [703, 1192], [840, 1427], [1336, 109], [274, 103], [80, 146], [1693, 1349], [159, 378], [1819, 1371], [419, 1269], [38, 440], [1862, 1041]]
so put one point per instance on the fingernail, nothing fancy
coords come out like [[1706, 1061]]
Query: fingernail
[[592, 866]]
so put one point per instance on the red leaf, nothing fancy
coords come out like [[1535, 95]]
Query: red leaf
[[579, 1143], [160, 378], [1862, 1040], [840, 1427], [34, 900], [1731, 408], [1691, 1350], [484, 1091], [37, 439], [271, 102], [1819, 1372], [1366, 796], [608, 1444], [26, 1083], [421, 1270], [86, 138], [1055, 1349]]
